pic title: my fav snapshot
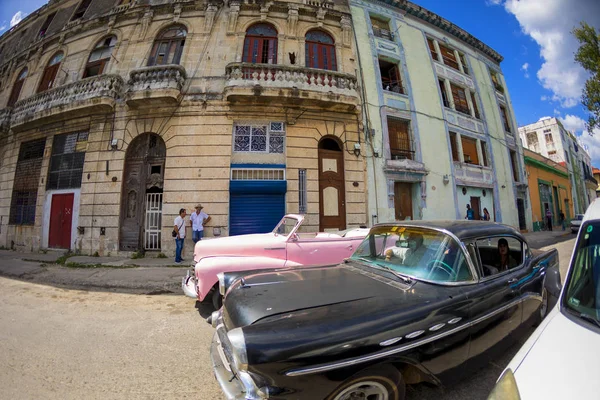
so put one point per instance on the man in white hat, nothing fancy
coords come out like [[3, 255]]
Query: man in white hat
[[198, 218]]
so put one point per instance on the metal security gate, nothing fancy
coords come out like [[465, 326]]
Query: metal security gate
[[152, 228]]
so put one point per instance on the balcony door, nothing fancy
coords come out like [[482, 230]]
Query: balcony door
[[320, 51], [50, 73], [260, 45]]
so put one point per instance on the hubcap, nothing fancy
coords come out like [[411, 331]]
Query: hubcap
[[544, 306], [367, 390]]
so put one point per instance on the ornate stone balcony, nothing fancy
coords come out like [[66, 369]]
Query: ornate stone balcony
[[97, 93], [473, 175], [156, 85], [248, 83]]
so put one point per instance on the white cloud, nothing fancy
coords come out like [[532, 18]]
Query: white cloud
[[573, 123], [3, 27], [493, 2], [525, 68], [549, 23], [19, 15]]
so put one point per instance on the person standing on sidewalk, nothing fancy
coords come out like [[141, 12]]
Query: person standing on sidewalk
[[470, 213], [549, 218], [180, 234], [199, 218]]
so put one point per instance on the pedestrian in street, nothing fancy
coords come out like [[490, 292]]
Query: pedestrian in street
[[179, 231], [198, 218], [486, 214], [562, 220], [470, 213], [549, 218]]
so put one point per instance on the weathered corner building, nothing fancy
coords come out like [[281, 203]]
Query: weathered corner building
[[441, 129], [115, 117]]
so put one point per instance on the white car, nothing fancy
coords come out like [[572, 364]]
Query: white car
[[561, 359], [576, 223]]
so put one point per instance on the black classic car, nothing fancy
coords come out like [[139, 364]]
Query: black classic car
[[417, 302]]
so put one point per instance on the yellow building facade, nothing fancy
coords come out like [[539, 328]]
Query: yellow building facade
[[549, 188]]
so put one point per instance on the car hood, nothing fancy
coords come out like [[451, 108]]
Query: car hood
[[562, 363], [268, 294], [247, 245]]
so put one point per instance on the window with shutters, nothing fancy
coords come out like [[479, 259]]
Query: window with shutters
[[26, 182], [260, 45], [390, 77], [168, 46], [469, 147], [399, 138], [475, 108], [46, 24], [320, 51], [484, 155], [100, 57], [496, 82], [515, 165], [259, 138], [16, 89], [83, 6], [504, 116], [454, 146], [432, 50], [460, 99], [66, 162], [50, 72], [444, 93], [381, 28], [449, 57]]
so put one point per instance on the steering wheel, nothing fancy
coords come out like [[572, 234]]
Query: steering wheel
[[434, 265]]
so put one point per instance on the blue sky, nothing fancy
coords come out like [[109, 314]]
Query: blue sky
[[532, 35]]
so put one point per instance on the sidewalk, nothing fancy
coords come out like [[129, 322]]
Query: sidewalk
[[143, 275], [540, 239]]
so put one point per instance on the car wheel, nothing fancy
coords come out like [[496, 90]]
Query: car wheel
[[217, 299], [543, 311], [383, 383]]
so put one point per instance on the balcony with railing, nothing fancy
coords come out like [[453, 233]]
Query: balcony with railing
[[156, 85], [473, 174], [269, 83], [591, 181], [97, 93]]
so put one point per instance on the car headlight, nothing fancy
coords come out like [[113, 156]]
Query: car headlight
[[506, 388], [238, 349]]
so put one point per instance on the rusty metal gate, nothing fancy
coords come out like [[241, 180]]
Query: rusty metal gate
[[152, 227]]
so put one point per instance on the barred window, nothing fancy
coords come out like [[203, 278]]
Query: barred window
[[259, 138], [66, 163], [24, 195]]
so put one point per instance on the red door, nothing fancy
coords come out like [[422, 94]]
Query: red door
[[61, 216]]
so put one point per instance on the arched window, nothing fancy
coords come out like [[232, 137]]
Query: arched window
[[99, 57], [168, 46], [320, 51], [16, 90], [50, 72], [260, 46]]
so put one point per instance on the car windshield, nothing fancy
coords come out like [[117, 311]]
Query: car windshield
[[582, 296], [420, 253], [285, 226]]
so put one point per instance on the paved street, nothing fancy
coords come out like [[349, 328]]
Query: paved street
[[70, 344], [57, 343]]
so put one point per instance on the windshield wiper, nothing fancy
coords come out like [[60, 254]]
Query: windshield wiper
[[376, 265]]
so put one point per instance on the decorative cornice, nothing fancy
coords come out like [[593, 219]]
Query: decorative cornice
[[443, 24], [542, 165]]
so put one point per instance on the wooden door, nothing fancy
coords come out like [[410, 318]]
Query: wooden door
[[61, 217], [332, 199], [48, 77], [475, 205], [403, 201]]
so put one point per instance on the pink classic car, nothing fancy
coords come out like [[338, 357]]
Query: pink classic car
[[283, 247]]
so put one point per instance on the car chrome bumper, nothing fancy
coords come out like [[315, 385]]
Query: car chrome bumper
[[229, 383], [188, 285]]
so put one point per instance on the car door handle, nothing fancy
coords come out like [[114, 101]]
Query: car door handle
[[350, 247], [513, 280]]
